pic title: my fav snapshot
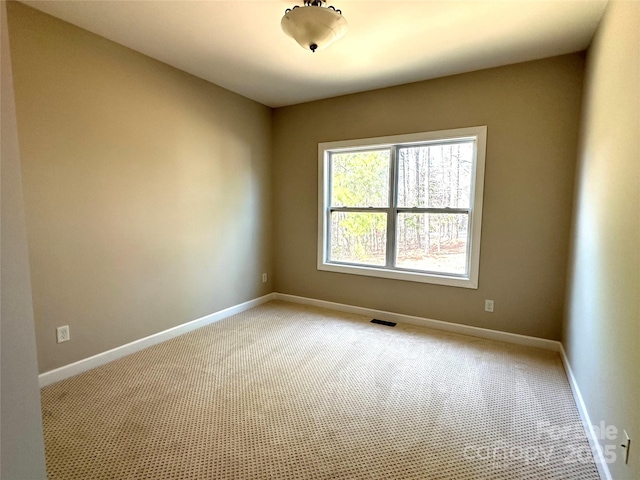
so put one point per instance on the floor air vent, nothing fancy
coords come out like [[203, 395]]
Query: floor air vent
[[383, 322]]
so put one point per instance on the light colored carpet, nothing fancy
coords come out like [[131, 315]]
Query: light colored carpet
[[291, 392]]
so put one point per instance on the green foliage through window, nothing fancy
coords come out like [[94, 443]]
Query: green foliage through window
[[428, 176]]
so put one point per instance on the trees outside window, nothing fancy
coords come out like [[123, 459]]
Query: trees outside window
[[406, 207]]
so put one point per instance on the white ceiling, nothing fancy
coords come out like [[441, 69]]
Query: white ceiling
[[239, 45]]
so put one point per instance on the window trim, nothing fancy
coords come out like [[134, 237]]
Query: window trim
[[478, 134]]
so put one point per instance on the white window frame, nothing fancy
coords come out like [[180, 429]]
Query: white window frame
[[476, 134]]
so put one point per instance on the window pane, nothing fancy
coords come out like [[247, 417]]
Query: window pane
[[360, 179], [443, 249], [359, 237], [435, 176]]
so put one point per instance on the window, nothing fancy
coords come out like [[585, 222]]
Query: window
[[407, 207]]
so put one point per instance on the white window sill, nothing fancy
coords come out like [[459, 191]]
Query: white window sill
[[449, 281]]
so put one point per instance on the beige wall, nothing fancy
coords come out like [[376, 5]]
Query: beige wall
[[602, 328], [532, 113], [21, 440], [147, 190]]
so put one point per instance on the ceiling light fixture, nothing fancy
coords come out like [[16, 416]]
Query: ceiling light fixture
[[314, 26]]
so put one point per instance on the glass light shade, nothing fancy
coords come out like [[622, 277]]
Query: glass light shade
[[309, 26]]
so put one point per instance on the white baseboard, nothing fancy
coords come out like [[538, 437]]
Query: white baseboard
[[85, 364], [603, 467], [426, 322]]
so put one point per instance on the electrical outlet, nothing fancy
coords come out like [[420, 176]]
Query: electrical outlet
[[488, 305], [62, 334], [264, 278]]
